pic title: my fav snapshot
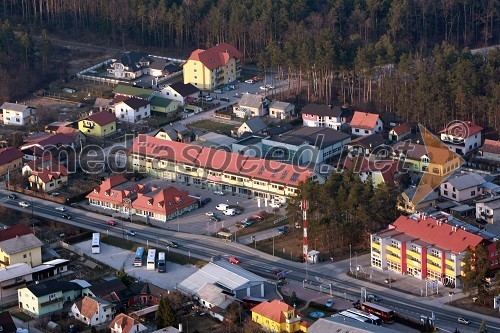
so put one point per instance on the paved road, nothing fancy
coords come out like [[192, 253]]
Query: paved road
[[207, 247]]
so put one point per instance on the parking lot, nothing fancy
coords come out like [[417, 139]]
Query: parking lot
[[119, 258]]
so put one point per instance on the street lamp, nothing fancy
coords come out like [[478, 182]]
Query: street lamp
[[350, 259]]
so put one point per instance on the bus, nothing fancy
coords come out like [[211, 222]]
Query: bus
[[139, 253], [354, 316], [387, 315], [371, 318], [151, 261], [96, 242], [162, 264]]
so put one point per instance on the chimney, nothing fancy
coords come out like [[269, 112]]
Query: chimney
[[180, 328]]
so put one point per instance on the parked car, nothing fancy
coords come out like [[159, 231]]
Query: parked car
[[257, 217], [234, 260], [224, 99], [24, 204], [282, 230], [60, 209], [210, 214], [208, 98], [204, 201], [231, 87], [229, 212], [391, 280], [130, 232], [215, 218], [222, 207], [263, 88], [373, 298], [249, 81], [236, 211], [12, 196], [268, 86], [275, 205], [111, 222], [329, 303], [219, 193], [463, 321], [66, 216], [172, 244], [218, 91]]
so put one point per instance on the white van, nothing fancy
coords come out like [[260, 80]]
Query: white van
[[222, 207], [229, 212]]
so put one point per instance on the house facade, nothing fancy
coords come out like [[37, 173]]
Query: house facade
[[218, 169], [115, 193], [429, 248], [281, 110], [462, 137], [17, 114], [98, 124], [250, 105], [490, 150], [364, 123], [180, 92], [11, 160], [410, 205], [175, 132], [12, 278], [41, 299], [462, 187], [19, 245], [277, 316], [132, 110], [207, 69], [254, 125], [125, 324], [92, 311], [488, 210], [400, 132], [320, 115], [163, 105], [49, 178]]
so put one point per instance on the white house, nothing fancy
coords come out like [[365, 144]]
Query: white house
[[180, 92], [125, 324], [250, 105], [364, 123], [462, 137], [281, 110], [321, 115], [462, 187], [17, 114], [92, 311], [488, 210], [132, 110]]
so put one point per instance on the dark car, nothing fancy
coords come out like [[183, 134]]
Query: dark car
[[391, 280], [172, 244], [12, 196], [215, 218], [224, 99], [66, 216], [204, 201]]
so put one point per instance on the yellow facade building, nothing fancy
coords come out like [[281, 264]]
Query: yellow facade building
[[11, 159], [99, 124], [277, 316], [19, 245], [218, 65]]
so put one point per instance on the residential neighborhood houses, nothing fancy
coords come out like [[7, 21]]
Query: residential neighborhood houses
[[218, 207]]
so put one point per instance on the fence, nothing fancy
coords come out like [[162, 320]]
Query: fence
[[61, 200], [67, 247], [222, 116]]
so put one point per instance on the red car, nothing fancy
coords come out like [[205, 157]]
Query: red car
[[234, 260], [111, 223], [257, 217]]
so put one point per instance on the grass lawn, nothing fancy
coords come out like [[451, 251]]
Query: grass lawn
[[467, 304], [212, 126], [286, 246], [172, 256], [22, 316]]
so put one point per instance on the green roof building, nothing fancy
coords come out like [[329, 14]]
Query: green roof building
[[129, 91], [163, 105]]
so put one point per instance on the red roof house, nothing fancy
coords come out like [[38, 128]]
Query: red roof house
[[216, 56], [363, 123], [11, 159], [114, 193], [49, 178]]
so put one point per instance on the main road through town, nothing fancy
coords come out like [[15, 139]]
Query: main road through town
[[205, 247]]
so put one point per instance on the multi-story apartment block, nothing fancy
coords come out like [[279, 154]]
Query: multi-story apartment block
[[462, 137], [218, 169], [428, 247], [17, 114], [206, 69]]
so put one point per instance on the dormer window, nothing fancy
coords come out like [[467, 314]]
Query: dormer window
[[159, 204], [150, 203]]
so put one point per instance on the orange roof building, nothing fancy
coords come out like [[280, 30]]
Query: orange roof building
[[277, 316], [209, 68], [49, 178], [92, 311], [364, 123], [115, 193], [125, 324], [427, 247]]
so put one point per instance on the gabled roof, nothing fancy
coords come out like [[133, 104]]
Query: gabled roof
[[102, 118], [274, 310], [163, 201], [45, 139], [14, 271], [411, 191], [131, 59], [251, 101], [161, 101], [320, 137], [279, 105], [126, 90], [214, 295], [256, 124], [158, 63], [442, 235], [146, 288], [15, 107], [463, 129], [52, 286], [14, 231], [20, 244], [491, 146], [115, 189], [125, 322], [216, 56], [108, 289], [184, 89], [321, 110], [364, 120], [410, 150], [279, 129], [9, 154], [135, 103], [88, 306], [51, 172], [462, 182], [368, 141], [402, 128]]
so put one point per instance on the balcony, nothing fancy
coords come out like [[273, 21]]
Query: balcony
[[376, 245], [413, 254], [393, 258], [450, 272], [434, 259], [450, 263], [393, 249], [453, 140], [486, 215]]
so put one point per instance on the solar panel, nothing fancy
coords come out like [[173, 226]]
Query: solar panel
[[261, 170], [295, 176], [284, 174]]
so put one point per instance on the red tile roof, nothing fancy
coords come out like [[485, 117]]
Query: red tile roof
[[364, 120], [402, 128], [9, 154], [12, 232], [219, 160], [44, 161], [463, 129], [69, 131], [102, 118], [51, 172], [441, 235], [163, 201], [273, 310], [216, 56], [45, 140], [87, 307], [109, 191], [491, 146], [123, 321]]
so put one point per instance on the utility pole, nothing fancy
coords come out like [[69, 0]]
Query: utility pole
[[350, 259], [305, 247]]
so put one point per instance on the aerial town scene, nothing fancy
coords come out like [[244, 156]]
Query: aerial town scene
[[249, 166]]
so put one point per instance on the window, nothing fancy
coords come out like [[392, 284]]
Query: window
[[195, 70], [445, 185], [356, 130], [472, 192], [445, 192], [24, 255], [454, 196], [366, 131], [195, 77]]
